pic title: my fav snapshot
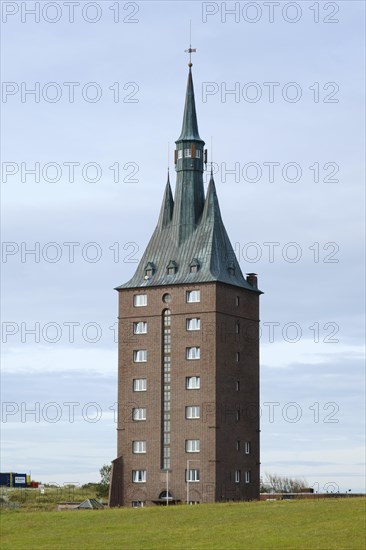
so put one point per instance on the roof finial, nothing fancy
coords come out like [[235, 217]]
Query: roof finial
[[211, 155], [190, 49]]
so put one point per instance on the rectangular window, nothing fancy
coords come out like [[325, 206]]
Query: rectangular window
[[247, 447], [180, 153], [139, 384], [193, 353], [238, 385], [140, 327], [138, 414], [248, 476], [193, 296], [237, 357], [198, 153], [192, 445], [140, 356], [237, 328], [237, 301], [194, 324], [237, 476], [238, 445], [139, 476], [193, 382], [193, 412], [138, 504], [139, 447], [187, 153], [140, 300], [193, 476]]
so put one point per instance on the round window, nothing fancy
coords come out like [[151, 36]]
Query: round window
[[167, 298]]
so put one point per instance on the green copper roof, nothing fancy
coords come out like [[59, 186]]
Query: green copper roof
[[190, 244], [190, 125], [167, 206]]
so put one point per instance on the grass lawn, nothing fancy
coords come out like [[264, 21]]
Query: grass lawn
[[324, 524]]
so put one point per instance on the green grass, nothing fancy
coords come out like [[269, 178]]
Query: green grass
[[309, 524]]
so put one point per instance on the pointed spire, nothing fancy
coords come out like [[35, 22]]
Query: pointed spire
[[212, 209], [167, 206], [189, 126]]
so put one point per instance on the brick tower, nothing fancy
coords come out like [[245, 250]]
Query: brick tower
[[188, 371]]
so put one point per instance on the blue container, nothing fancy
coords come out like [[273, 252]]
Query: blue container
[[19, 480], [12, 479], [5, 480]]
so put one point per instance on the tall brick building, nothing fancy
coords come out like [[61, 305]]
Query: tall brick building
[[188, 372]]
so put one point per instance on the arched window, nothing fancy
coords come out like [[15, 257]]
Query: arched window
[[166, 495]]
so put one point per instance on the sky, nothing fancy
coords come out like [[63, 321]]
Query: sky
[[279, 93]]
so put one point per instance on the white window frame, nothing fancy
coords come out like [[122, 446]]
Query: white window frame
[[248, 476], [140, 327], [140, 298], [193, 383], [139, 414], [237, 476], [193, 296], [139, 476], [193, 324], [247, 447], [193, 446], [139, 384], [193, 475], [193, 353], [180, 153], [188, 153], [138, 503], [193, 412], [139, 447], [139, 356], [198, 153]]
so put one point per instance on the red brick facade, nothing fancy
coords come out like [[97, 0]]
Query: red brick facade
[[228, 397]]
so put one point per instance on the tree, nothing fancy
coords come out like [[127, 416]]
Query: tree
[[105, 475], [274, 483]]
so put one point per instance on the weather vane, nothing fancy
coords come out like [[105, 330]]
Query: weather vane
[[190, 49]]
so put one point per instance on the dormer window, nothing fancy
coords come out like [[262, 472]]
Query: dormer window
[[187, 153], [194, 266], [172, 268], [231, 268], [149, 270]]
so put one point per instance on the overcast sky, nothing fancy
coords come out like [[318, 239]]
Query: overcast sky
[[279, 92]]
